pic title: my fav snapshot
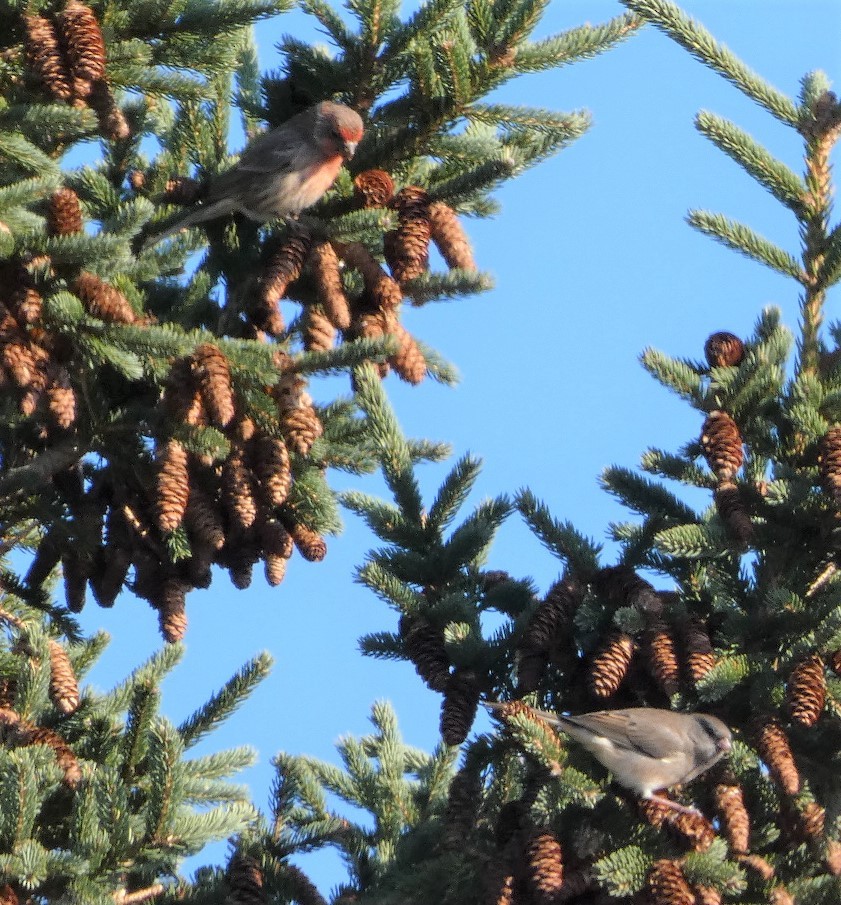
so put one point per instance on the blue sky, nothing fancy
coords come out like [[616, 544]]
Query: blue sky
[[593, 262]]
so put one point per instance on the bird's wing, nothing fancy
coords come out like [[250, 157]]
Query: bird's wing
[[270, 152], [626, 731]]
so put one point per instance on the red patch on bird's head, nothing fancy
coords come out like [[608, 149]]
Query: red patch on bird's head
[[350, 133]]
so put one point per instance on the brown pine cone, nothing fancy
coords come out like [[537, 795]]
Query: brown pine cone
[[812, 819], [759, 865], [19, 361], [277, 548], [610, 665], [732, 511], [103, 300], [662, 657], [318, 334], [109, 573], [552, 616], [112, 121], [424, 646], [182, 190], [700, 657], [310, 544], [170, 602], [730, 805], [724, 350], [781, 896], [26, 302], [407, 252], [832, 857], [463, 801], [172, 486], [545, 866], [449, 236], [690, 828], [283, 267], [39, 735], [459, 706], [83, 45], [706, 895], [47, 557], [304, 891], [806, 692], [829, 462], [721, 443], [667, 885], [271, 467], [75, 574], [500, 883], [8, 896], [182, 397], [61, 401], [774, 749], [835, 662], [623, 587], [382, 290], [238, 491], [204, 522], [245, 881], [64, 215], [43, 53], [329, 288], [408, 362], [301, 426], [212, 375], [64, 689], [373, 188]]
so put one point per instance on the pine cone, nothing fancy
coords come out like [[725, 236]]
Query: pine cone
[[329, 289], [19, 361], [47, 557], [304, 891], [43, 53], [61, 401], [83, 44], [774, 749], [245, 881], [170, 602], [463, 801], [780, 896], [829, 462], [691, 828], [283, 267], [373, 188], [26, 302], [721, 444], [65, 758], [552, 616], [623, 587], [301, 427], [64, 215], [806, 692], [102, 300], [383, 291], [75, 581], [172, 486], [730, 804], [109, 574], [832, 857], [707, 895], [8, 896], [318, 334], [458, 709], [667, 885], [272, 469], [662, 656], [424, 646], [408, 362], [64, 690], [759, 865], [835, 662], [408, 252], [724, 350], [277, 548], [237, 491], [212, 375], [700, 658], [112, 121], [500, 884], [545, 866], [182, 190], [310, 544], [449, 236], [812, 821], [732, 511], [203, 519], [610, 665]]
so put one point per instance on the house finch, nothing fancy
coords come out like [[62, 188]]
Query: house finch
[[282, 171]]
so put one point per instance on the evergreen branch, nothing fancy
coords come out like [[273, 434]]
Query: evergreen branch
[[389, 588], [454, 283], [429, 450], [675, 375], [784, 184], [693, 542], [348, 354], [743, 239], [16, 149], [332, 22], [27, 191], [437, 366], [453, 492], [646, 497], [40, 471], [692, 36], [382, 645], [429, 18], [678, 468]]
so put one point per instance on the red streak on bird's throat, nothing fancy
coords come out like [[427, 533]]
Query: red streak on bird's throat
[[319, 178]]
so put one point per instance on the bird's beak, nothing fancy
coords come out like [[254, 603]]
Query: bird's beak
[[724, 745], [349, 149]]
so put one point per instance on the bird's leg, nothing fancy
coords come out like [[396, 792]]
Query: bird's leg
[[674, 805]]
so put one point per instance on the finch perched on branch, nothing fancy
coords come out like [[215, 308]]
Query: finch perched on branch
[[282, 171]]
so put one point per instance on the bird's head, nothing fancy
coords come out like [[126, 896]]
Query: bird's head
[[338, 129], [713, 738]]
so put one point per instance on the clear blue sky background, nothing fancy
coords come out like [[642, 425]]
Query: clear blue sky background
[[593, 262]]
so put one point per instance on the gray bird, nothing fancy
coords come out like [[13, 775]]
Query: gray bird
[[646, 748]]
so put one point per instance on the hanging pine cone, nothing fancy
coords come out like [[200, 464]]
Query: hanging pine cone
[[732, 511], [408, 252], [829, 462], [724, 350], [301, 426], [780, 896], [19, 361], [102, 300], [212, 375], [43, 53], [424, 646], [172, 486], [463, 800], [170, 602], [64, 690], [109, 573], [245, 881], [182, 190], [238, 491], [47, 557], [61, 401], [27, 734], [661, 656], [700, 658], [112, 121], [382, 290], [182, 397], [8, 896], [806, 692], [835, 662], [304, 891], [832, 857], [310, 544], [691, 828], [774, 749], [667, 884], [83, 45], [500, 884], [730, 805], [283, 267], [812, 821], [552, 616], [318, 334], [545, 866], [203, 520], [329, 289], [449, 236], [721, 443], [759, 865], [623, 587], [373, 188], [64, 215], [408, 362], [610, 665], [706, 895], [239, 555], [277, 548], [271, 466], [26, 302], [75, 574], [458, 709]]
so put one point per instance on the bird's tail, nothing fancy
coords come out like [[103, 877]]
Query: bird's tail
[[198, 214]]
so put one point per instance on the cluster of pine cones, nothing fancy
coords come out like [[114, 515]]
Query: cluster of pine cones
[[67, 55]]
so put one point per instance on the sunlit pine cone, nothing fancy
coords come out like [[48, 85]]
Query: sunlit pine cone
[[408, 362], [65, 758], [182, 397], [662, 657], [112, 121], [277, 548], [203, 519], [271, 467], [424, 646], [500, 883], [832, 857], [449, 236], [310, 544], [408, 252], [806, 691], [19, 360], [182, 190], [212, 375], [829, 462], [759, 865], [172, 486], [609, 665], [301, 426], [699, 655], [780, 896], [318, 334], [84, 46], [27, 303], [623, 587], [8, 692], [774, 749], [8, 896], [245, 881], [43, 53], [721, 443], [64, 689], [373, 188], [239, 555], [74, 570], [730, 805], [667, 884], [383, 290], [103, 300], [724, 350], [553, 616], [835, 662], [170, 602], [693, 829], [329, 288], [64, 214], [238, 491], [545, 866], [283, 267], [706, 895], [373, 325], [459, 706], [61, 400], [812, 820], [732, 511]]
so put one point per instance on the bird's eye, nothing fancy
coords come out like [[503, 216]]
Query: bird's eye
[[711, 730]]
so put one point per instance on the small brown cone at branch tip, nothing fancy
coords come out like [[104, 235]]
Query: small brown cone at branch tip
[[272, 469], [449, 236], [408, 362], [172, 486], [730, 805], [310, 544], [829, 463], [238, 492], [213, 376], [75, 582], [700, 657], [103, 300], [373, 188], [277, 548], [245, 881], [545, 866], [774, 749], [203, 519], [382, 289], [64, 689], [721, 443], [172, 612], [301, 427], [610, 665], [65, 758], [45, 58], [407, 252], [724, 350], [459, 706], [329, 289], [61, 401], [690, 828], [662, 657], [667, 884], [112, 121], [806, 692], [731, 509], [64, 215]]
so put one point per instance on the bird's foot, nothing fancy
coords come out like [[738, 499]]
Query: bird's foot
[[674, 805]]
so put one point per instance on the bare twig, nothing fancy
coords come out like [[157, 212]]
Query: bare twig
[[122, 897]]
